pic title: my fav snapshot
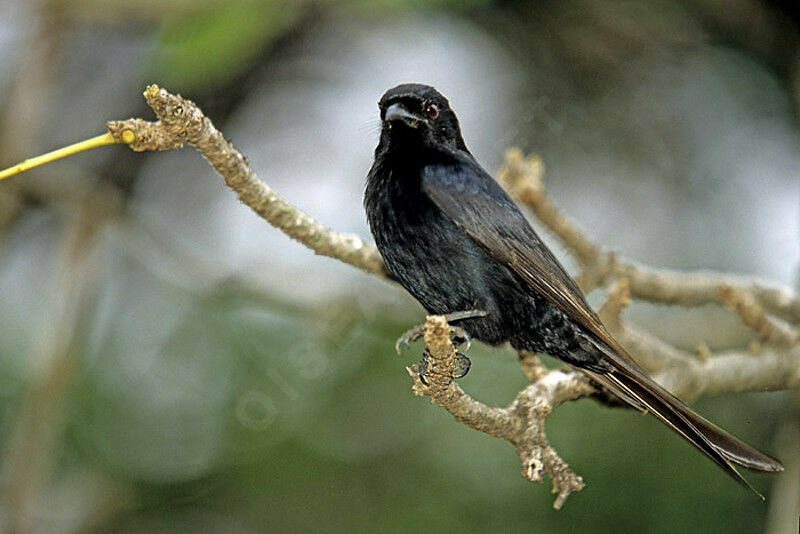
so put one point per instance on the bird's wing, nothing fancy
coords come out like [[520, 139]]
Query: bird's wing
[[470, 198], [479, 206]]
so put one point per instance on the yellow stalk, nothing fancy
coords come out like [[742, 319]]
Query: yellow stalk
[[100, 140]]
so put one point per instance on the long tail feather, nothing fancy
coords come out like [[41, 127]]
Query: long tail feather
[[723, 448]]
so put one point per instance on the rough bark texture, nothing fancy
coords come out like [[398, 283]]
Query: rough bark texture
[[769, 309]]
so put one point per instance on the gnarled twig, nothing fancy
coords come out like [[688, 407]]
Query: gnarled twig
[[523, 176], [773, 311], [181, 121], [521, 422]]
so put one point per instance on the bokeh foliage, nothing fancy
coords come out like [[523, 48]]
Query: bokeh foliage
[[232, 410]]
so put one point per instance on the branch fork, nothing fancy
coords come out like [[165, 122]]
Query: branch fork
[[521, 423]]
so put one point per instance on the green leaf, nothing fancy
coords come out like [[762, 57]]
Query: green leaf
[[208, 45]]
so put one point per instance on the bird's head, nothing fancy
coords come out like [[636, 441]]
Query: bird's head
[[415, 114]]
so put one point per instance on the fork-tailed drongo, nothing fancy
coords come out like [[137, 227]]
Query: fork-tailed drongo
[[456, 241]]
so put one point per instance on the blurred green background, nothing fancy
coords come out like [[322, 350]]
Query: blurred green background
[[170, 363]]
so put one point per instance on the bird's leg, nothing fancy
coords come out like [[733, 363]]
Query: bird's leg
[[459, 337]]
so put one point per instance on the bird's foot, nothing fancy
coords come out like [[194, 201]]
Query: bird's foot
[[459, 336], [462, 366]]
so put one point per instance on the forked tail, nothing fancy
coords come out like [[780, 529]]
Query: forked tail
[[633, 386]]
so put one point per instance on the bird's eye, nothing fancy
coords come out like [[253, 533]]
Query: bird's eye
[[431, 110]]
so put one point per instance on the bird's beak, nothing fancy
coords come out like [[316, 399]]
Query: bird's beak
[[397, 113]]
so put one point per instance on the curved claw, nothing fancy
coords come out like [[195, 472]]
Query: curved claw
[[423, 368], [422, 378], [461, 337], [415, 333], [409, 336], [464, 364]]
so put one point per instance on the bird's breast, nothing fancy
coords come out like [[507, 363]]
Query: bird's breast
[[433, 259]]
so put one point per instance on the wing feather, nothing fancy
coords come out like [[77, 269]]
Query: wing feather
[[478, 205]]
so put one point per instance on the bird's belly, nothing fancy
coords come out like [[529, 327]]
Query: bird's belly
[[459, 275], [446, 272]]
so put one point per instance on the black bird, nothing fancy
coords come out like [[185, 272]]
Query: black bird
[[456, 241]]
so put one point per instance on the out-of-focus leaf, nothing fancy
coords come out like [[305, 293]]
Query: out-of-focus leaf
[[206, 46]]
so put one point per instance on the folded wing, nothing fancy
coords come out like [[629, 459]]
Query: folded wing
[[470, 198]]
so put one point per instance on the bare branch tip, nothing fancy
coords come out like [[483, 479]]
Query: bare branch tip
[[151, 92], [703, 352]]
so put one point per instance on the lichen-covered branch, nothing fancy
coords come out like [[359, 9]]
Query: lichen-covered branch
[[521, 423], [181, 121], [755, 316], [770, 310], [523, 176]]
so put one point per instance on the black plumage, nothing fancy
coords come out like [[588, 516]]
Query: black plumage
[[456, 241]]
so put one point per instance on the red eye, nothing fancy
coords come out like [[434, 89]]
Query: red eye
[[431, 110]]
